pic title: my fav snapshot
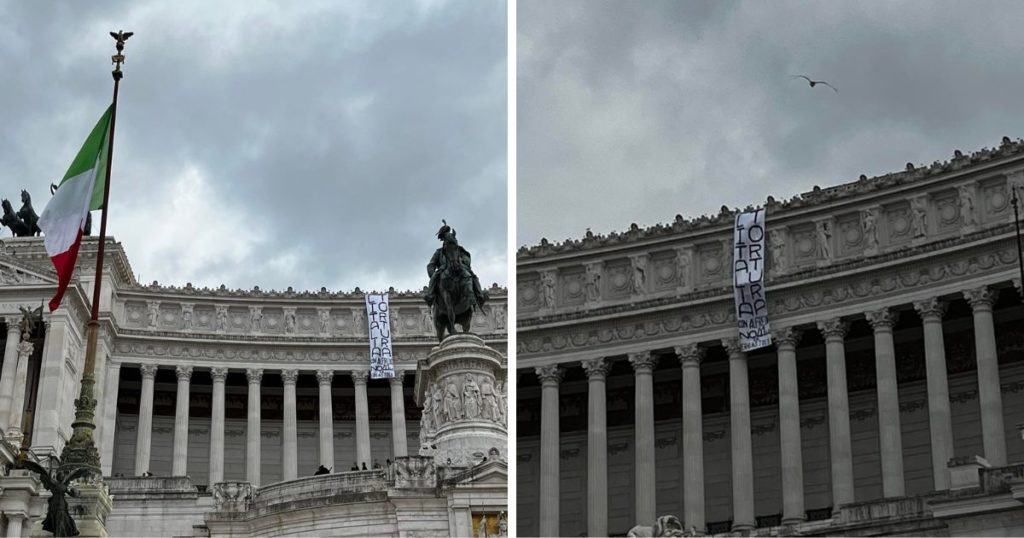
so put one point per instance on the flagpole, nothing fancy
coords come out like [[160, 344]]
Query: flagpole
[[80, 450]]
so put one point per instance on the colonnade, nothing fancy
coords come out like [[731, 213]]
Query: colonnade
[[254, 376], [785, 339]]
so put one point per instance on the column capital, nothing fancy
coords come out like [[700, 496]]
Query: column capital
[[930, 308], [254, 375], [184, 373], [288, 377], [643, 361], [219, 374], [689, 355], [596, 368], [148, 370], [549, 374], [882, 318], [397, 380], [359, 377], [12, 326], [324, 377], [833, 328], [981, 298], [732, 347], [787, 336]]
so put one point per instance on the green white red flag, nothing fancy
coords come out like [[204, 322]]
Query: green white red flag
[[79, 192]]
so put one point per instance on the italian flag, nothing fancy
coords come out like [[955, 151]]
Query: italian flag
[[79, 192]]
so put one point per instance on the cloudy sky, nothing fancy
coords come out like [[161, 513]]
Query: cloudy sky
[[276, 144], [631, 112]]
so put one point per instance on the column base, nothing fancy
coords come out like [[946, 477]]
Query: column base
[[789, 527], [91, 508], [742, 529]]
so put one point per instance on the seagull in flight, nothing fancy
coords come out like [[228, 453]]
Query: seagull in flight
[[815, 82]]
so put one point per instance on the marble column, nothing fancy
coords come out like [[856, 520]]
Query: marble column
[[550, 478], [398, 438], [940, 421], [690, 357], [362, 420], [145, 427], [324, 378], [597, 447], [743, 520], [890, 436], [290, 438], [9, 371], [14, 525], [252, 430], [15, 434], [646, 478], [989, 391], [792, 469], [219, 376], [841, 454], [179, 466], [109, 416]]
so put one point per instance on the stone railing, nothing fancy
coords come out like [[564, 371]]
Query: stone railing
[[327, 485], [883, 510], [150, 487]]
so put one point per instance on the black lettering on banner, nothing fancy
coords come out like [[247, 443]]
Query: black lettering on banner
[[379, 324], [748, 271]]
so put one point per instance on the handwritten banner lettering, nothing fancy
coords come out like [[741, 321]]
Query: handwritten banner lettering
[[381, 364], [748, 280]]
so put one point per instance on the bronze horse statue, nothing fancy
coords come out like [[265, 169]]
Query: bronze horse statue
[[28, 214], [13, 221], [454, 291]]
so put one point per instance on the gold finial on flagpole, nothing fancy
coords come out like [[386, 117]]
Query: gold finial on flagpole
[[120, 36]]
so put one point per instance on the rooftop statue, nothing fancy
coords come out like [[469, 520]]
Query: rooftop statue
[[454, 291]]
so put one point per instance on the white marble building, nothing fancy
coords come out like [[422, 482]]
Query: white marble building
[[896, 374], [249, 389]]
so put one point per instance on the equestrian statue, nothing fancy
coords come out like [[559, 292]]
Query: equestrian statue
[[24, 223], [454, 291]]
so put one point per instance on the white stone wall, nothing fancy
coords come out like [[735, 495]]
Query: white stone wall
[[157, 518], [234, 446], [767, 488]]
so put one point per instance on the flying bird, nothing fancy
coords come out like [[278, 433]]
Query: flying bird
[[815, 82]]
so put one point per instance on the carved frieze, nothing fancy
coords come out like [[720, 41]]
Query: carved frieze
[[823, 294]]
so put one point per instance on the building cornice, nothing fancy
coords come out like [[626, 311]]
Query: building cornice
[[818, 200]]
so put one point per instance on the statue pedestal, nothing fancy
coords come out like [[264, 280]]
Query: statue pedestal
[[91, 508], [461, 385]]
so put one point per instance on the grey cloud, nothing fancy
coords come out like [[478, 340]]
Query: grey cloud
[[334, 131], [634, 112]]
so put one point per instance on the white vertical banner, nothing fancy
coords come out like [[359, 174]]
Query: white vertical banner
[[748, 256], [379, 321]]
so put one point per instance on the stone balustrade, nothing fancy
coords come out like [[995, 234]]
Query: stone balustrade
[[313, 487]]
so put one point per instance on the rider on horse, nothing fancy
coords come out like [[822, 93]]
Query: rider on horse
[[450, 270]]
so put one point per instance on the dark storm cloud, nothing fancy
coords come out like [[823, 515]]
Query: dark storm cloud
[[634, 112], [277, 144]]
